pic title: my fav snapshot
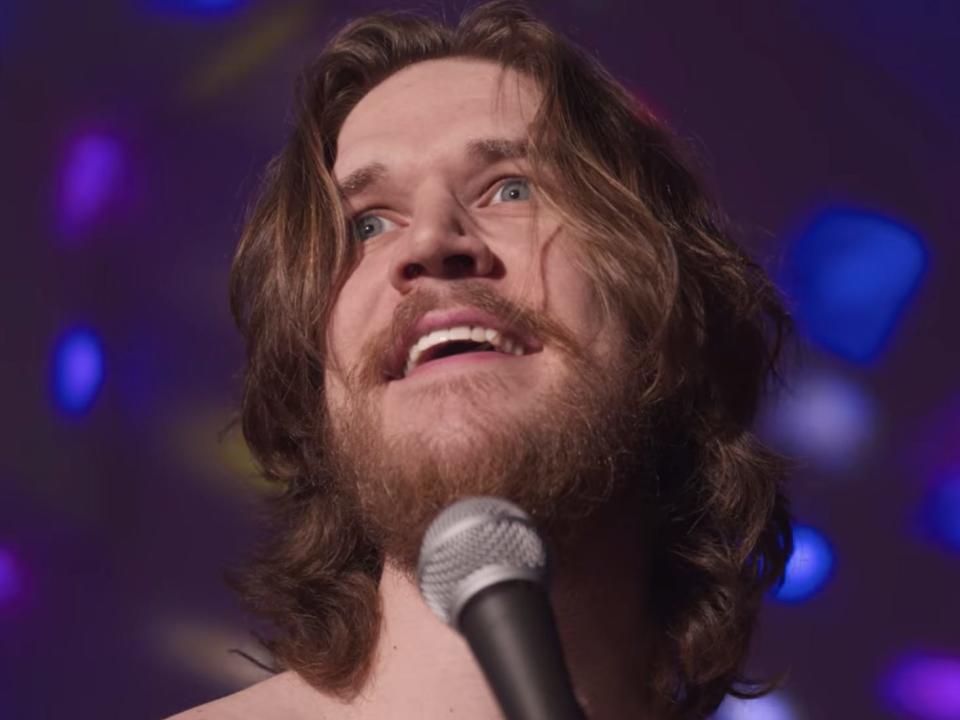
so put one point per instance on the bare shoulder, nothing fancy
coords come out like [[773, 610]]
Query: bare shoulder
[[283, 697]]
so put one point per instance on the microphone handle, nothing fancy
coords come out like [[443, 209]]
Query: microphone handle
[[511, 629]]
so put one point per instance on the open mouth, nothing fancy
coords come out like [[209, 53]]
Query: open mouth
[[462, 340]]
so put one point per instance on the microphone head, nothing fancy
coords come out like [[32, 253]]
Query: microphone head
[[473, 544]]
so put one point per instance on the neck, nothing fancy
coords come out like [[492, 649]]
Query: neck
[[425, 669]]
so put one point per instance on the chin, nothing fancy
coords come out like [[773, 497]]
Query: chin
[[443, 430], [454, 413]]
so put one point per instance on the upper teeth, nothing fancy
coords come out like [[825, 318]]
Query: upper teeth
[[461, 332]]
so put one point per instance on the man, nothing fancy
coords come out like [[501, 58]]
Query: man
[[478, 268]]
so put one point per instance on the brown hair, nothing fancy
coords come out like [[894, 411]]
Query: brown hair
[[703, 316]]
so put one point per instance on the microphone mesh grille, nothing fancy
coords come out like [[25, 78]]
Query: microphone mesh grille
[[474, 543]]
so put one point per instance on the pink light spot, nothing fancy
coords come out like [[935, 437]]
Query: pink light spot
[[93, 170]]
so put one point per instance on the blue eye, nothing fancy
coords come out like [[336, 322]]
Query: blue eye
[[513, 190], [368, 226]]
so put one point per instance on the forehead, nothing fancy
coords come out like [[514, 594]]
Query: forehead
[[436, 105]]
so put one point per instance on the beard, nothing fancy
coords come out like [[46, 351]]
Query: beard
[[561, 459]]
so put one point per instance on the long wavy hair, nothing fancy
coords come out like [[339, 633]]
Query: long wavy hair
[[706, 318]]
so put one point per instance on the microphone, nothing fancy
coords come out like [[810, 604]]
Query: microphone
[[483, 571]]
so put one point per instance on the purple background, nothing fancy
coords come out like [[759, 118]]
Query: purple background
[[134, 132]]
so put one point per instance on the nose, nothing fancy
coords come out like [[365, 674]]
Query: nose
[[440, 242]]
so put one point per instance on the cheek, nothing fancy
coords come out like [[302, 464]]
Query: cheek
[[344, 332], [569, 292], [337, 341]]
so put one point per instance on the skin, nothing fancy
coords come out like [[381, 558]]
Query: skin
[[448, 220]]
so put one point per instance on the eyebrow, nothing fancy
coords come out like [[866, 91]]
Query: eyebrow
[[486, 150], [493, 150], [362, 178]]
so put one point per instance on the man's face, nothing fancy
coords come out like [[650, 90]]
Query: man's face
[[453, 238]]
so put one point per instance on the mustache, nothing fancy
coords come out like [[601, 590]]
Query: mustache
[[372, 367]]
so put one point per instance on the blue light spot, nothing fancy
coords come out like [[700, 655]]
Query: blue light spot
[[9, 577], [196, 7], [926, 687], [942, 511], [809, 567], [77, 371], [92, 173], [769, 707], [849, 277]]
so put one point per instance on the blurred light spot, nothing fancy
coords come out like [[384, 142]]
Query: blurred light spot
[[926, 687], [236, 457], [92, 172], [809, 567], [196, 7], [246, 51], [203, 648], [214, 449], [942, 511], [77, 370], [9, 577], [849, 277], [823, 419], [774, 706]]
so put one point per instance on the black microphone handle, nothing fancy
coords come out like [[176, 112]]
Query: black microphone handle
[[511, 630]]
